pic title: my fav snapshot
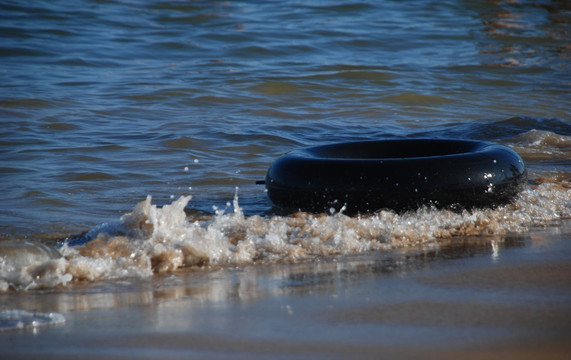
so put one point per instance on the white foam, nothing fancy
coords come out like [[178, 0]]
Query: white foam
[[151, 239], [163, 239], [29, 265]]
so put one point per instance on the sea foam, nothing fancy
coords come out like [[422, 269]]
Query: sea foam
[[152, 239]]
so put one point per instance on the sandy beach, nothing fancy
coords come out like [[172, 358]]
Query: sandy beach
[[472, 298]]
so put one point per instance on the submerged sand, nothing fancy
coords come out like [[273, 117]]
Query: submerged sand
[[501, 297]]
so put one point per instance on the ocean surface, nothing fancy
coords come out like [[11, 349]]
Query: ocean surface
[[133, 132]]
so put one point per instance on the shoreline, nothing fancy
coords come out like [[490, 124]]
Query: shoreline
[[473, 297]]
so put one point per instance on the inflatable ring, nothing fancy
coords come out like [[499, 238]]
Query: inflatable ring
[[396, 174]]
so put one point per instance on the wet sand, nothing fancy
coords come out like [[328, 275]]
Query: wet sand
[[503, 297]]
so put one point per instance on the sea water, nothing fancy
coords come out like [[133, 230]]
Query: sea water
[[132, 133]]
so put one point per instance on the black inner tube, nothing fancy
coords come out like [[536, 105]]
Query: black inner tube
[[396, 174]]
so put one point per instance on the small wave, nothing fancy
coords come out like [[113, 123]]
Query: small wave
[[517, 128], [540, 139], [543, 147], [31, 264], [152, 239]]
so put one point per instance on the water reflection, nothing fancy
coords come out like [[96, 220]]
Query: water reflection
[[233, 286]]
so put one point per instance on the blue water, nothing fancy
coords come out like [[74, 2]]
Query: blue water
[[105, 102]]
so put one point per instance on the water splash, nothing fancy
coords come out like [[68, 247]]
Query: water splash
[[31, 264], [152, 239]]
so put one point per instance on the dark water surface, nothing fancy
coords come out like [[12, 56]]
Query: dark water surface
[[105, 102]]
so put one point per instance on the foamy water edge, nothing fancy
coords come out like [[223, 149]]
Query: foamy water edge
[[152, 239]]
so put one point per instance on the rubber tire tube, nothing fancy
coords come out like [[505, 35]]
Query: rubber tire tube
[[400, 175]]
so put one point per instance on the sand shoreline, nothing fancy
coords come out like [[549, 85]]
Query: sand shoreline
[[474, 298]]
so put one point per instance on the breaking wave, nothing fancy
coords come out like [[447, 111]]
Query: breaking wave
[[152, 239], [155, 239]]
